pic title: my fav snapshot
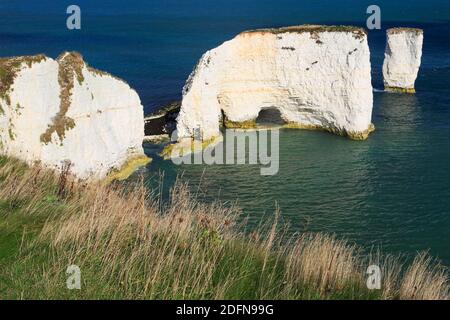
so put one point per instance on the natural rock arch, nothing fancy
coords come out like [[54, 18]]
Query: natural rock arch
[[316, 76], [270, 116]]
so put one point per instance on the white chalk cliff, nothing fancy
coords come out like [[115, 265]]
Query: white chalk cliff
[[402, 59], [60, 111], [318, 77]]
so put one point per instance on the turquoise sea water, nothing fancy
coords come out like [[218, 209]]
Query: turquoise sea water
[[390, 191]]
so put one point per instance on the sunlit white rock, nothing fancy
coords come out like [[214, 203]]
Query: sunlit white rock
[[402, 59], [56, 111], [316, 76]]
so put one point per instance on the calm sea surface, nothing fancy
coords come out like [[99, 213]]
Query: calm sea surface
[[392, 190]]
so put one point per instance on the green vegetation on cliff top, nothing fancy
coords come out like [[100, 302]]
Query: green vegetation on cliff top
[[313, 29], [130, 245]]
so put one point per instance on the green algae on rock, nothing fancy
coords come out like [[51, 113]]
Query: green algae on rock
[[248, 124], [353, 135], [127, 169], [399, 90], [187, 146]]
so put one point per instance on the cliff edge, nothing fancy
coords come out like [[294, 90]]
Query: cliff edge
[[63, 111]]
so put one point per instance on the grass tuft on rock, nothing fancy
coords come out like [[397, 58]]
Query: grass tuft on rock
[[9, 68], [314, 30], [404, 30], [71, 66]]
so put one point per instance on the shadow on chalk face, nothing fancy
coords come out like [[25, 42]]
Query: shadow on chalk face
[[270, 117]]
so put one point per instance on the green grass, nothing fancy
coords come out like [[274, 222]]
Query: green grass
[[130, 246]]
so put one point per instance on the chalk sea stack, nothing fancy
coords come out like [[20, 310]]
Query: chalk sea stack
[[317, 77], [402, 59], [60, 111]]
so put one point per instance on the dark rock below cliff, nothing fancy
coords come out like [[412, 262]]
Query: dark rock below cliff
[[162, 121]]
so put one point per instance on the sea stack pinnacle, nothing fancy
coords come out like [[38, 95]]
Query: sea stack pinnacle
[[402, 59]]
